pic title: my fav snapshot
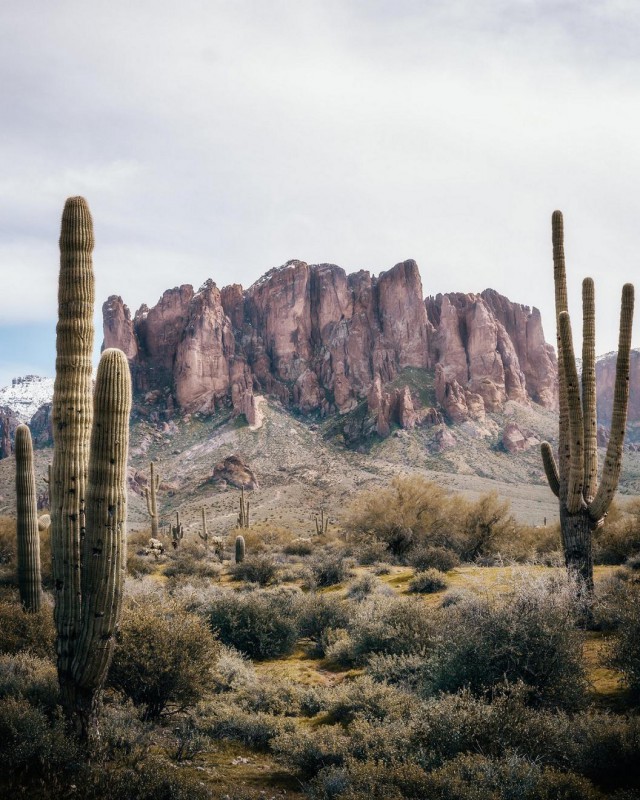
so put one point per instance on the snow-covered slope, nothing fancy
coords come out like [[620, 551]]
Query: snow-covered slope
[[26, 395]]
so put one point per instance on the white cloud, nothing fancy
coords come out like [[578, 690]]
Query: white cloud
[[218, 139]]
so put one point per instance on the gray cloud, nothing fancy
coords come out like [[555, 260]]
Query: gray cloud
[[217, 139]]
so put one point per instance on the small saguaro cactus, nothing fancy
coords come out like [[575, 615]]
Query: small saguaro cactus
[[29, 579], [240, 549], [243, 515], [150, 495], [203, 534], [177, 532], [322, 524], [574, 480], [88, 521]]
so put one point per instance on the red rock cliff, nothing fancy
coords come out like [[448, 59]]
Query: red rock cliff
[[319, 339]]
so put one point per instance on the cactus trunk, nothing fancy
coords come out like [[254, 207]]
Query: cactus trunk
[[151, 497], [29, 579], [240, 549], [71, 414], [88, 585], [584, 504]]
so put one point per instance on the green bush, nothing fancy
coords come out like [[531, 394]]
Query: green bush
[[428, 582], [256, 569], [163, 657], [21, 632], [433, 557], [529, 636], [261, 624]]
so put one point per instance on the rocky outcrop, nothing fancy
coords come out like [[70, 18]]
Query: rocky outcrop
[[605, 384], [323, 342], [236, 472], [514, 440], [9, 421], [41, 426]]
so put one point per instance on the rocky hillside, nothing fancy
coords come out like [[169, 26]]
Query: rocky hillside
[[324, 342], [605, 377]]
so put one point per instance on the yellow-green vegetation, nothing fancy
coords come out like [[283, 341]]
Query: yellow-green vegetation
[[310, 663]]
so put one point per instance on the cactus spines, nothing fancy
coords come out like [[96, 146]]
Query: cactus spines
[[243, 514], [584, 504], [240, 549], [88, 585], [150, 495], [204, 535], [29, 579], [322, 524], [177, 532], [71, 417], [104, 545]]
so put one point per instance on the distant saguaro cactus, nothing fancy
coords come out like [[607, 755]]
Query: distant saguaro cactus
[[322, 524], [150, 495], [240, 549], [87, 585], [584, 504], [177, 532], [29, 578], [243, 514], [204, 534]]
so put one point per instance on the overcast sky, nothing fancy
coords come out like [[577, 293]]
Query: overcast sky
[[219, 139]]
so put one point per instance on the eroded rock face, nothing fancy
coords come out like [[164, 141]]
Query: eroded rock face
[[41, 426], [322, 341], [605, 384], [233, 470]]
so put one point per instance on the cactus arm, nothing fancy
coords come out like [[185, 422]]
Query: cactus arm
[[613, 459], [29, 580], [575, 484], [550, 468], [106, 516], [589, 390], [71, 416], [560, 284]]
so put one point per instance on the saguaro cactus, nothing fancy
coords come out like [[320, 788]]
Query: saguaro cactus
[[243, 514], [574, 480], [87, 586], [240, 549], [322, 524], [29, 579], [177, 532], [150, 495], [204, 534]]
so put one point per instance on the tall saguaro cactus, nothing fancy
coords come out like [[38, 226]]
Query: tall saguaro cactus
[[574, 480], [87, 581], [29, 579], [150, 494]]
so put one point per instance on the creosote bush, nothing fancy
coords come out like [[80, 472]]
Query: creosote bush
[[428, 582], [21, 632], [261, 569], [164, 657]]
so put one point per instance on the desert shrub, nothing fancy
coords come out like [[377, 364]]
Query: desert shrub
[[266, 537], [261, 624], [433, 557], [381, 568], [365, 698], [487, 526], [125, 736], [367, 585], [329, 569], [233, 670], [382, 624], [408, 511], [529, 635], [299, 547], [280, 697], [624, 651], [33, 632], [309, 751], [29, 676], [456, 596], [428, 582], [318, 613], [406, 670], [370, 551], [32, 746], [163, 657], [261, 569], [254, 728], [151, 779], [138, 565], [186, 564], [619, 537]]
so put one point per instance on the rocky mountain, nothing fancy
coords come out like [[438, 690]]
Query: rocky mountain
[[25, 395], [324, 342], [605, 381]]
